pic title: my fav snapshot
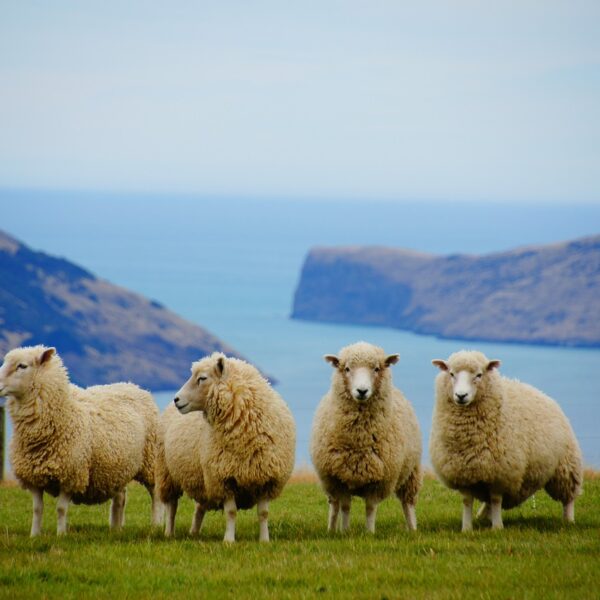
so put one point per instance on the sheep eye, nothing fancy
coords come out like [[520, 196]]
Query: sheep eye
[[376, 369], [452, 375], [479, 376], [347, 369], [21, 366], [201, 378]]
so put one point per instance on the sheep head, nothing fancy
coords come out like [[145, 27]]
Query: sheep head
[[21, 369], [465, 373], [205, 374], [362, 368]]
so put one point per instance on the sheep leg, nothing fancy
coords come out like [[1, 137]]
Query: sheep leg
[[158, 508], [569, 511], [410, 516], [345, 503], [199, 513], [38, 511], [263, 520], [484, 512], [334, 509], [230, 510], [62, 506], [467, 517], [496, 511], [122, 509], [170, 512], [117, 510], [371, 513]]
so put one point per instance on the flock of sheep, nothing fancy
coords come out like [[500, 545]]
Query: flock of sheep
[[228, 439]]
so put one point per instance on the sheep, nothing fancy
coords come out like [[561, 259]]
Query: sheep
[[240, 453], [181, 470], [500, 440], [82, 445], [365, 438]]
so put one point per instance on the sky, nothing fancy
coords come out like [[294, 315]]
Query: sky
[[438, 100]]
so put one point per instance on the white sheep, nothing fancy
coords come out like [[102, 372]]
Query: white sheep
[[365, 439], [500, 440], [240, 453], [82, 445]]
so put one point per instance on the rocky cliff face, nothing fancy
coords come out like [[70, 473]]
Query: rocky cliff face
[[104, 333], [540, 295]]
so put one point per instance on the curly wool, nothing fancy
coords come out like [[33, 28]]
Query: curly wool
[[242, 446], [89, 443], [511, 440], [370, 448]]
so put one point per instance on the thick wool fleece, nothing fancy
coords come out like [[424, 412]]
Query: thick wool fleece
[[370, 448], [89, 443], [242, 446], [511, 440], [179, 455]]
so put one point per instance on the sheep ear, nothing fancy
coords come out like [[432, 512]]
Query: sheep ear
[[442, 365], [333, 359], [493, 364], [392, 359], [46, 355], [220, 365]]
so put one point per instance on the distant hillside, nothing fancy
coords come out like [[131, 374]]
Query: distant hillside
[[104, 333], [540, 295]]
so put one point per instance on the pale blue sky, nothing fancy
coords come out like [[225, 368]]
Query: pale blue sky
[[392, 100]]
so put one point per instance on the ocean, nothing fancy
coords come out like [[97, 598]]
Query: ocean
[[232, 266]]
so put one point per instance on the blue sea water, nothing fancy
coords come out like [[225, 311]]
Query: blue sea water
[[232, 265]]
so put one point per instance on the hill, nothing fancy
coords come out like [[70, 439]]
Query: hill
[[540, 295], [103, 332]]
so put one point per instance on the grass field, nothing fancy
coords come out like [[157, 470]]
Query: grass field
[[536, 556]]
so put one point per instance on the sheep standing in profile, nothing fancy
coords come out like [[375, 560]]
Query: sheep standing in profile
[[500, 440], [241, 453], [82, 445], [365, 439]]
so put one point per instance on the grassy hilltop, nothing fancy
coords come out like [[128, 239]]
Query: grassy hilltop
[[536, 556]]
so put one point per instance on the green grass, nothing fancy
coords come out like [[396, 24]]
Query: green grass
[[535, 556]]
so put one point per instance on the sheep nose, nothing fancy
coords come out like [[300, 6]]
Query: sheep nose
[[461, 397], [361, 392], [176, 399]]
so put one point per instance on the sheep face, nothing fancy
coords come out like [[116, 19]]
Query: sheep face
[[361, 375], [205, 373], [466, 372], [20, 370]]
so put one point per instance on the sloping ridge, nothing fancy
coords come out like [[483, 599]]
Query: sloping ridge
[[103, 332], [541, 295]]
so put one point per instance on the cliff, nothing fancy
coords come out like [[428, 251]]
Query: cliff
[[539, 295]]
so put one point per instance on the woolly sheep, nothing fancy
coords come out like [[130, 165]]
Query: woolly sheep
[[82, 445], [240, 453], [365, 439], [500, 440], [181, 470]]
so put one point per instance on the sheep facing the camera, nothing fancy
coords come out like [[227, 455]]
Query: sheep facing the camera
[[240, 454], [365, 439], [500, 440], [82, 445]]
